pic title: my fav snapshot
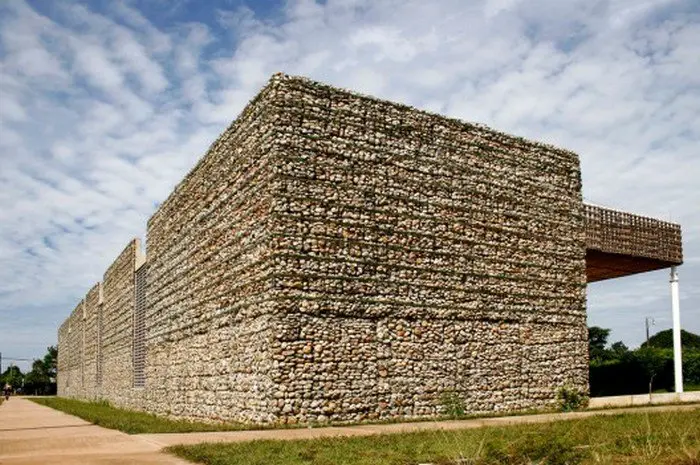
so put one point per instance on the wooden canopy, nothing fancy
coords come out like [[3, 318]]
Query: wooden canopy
[[621, 244]]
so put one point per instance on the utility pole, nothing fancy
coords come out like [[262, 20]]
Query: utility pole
[[646, 322], [0, 363]]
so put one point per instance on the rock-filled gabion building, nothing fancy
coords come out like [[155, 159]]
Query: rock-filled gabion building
[[339, 257]]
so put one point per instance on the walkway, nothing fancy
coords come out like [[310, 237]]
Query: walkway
[[34, 434], [171, 439]]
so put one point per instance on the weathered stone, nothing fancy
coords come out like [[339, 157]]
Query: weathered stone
[[337, 257]]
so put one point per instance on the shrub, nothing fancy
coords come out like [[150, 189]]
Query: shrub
[[452, 404], [691, 366], [571, 399], [632, 373]]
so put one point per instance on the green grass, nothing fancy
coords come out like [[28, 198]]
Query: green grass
[[664, 438], [129, 421], [134, 422]]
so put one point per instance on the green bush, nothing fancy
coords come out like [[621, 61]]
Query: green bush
[[571, 399], [632, 373], [691, 367], [452, 404]]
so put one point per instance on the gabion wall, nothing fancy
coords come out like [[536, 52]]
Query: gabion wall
[[209, 298], [337, 257], [417, 256], [70, 358], [624, 233], [91, 307], [95, 342]]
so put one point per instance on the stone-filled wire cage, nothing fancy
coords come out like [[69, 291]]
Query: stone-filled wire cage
[[335, 257], [619, 232], [98, 348], [139, 342]]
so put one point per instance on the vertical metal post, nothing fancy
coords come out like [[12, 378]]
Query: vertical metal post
[[646, 324], [676, 309]]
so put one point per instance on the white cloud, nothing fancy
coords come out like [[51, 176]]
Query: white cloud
[[103, 112]]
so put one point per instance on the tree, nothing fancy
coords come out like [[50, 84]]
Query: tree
[[616, 370], [653, 361], [664, 340], [42, 378], [597, 340], [37, 381], [619, 350], [50, 362], [12, 376]]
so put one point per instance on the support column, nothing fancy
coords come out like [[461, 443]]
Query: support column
[[676, 308]]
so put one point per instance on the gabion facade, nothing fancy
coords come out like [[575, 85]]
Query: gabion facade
[[335, 257], [613, 231]]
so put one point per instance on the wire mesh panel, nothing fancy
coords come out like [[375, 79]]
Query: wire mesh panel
[[98, 356], [618, 232], [139, 344], [69, 364], [82, 346]]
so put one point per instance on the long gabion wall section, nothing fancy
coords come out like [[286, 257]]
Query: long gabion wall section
[[337, 257], [95, 342], [200, 347]]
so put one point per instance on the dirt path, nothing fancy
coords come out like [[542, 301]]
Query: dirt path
[[34, 434]]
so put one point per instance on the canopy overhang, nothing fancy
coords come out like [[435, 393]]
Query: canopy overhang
[[622, 244]]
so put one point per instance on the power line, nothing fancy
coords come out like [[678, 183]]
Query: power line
[[14, 359]]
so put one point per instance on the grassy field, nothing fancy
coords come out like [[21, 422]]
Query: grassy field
[[668, 438], [128, 421]]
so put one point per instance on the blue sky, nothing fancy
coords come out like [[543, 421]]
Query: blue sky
[[105, 105]]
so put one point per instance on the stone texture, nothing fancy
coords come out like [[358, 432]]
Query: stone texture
[[338, 257], [92, 307], [95, 342], [418, 255], [622, 233]]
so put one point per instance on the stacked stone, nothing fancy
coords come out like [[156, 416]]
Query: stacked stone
[[337, 257], [418, 255], [209, 267], [116, 334], [612, 231], [73, 336], [92, 307], [62, 362]]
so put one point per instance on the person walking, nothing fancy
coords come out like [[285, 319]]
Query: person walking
[[8, 391]]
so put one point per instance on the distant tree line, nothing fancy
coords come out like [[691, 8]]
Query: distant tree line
[[41, 380], [617, 370]]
